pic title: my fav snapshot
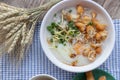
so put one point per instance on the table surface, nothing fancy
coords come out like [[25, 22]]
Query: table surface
[[112, 6], [26, 71]]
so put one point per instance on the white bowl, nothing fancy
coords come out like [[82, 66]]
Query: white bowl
[[43, 77], [108, 44]]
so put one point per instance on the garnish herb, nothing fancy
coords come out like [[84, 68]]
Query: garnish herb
[[62, 35], [55, 15], [90, 23], [73, 30], [70, 11]]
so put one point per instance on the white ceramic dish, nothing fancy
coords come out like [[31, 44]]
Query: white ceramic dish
[[108, 44], [43, 77]]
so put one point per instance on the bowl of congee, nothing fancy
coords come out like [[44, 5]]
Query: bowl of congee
[[77, 35]]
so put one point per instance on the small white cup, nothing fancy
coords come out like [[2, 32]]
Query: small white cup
[[43, 77]]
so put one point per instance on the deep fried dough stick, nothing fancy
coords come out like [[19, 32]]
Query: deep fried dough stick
[[89, 76]]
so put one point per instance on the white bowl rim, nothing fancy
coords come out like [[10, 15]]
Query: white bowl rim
[[39, 75], [81, 68]]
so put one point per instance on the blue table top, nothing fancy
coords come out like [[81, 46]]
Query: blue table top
[[35, 62]]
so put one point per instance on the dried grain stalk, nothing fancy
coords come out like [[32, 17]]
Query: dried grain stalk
[[17, 27]]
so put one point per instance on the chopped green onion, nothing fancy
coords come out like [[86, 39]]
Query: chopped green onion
[[51, 40], [90, 23], [56, 46], [70, 11], [55, 15], [63, 35]]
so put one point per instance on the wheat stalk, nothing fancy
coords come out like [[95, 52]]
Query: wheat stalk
[[8, 14], [14, 41], [8, 27], [17, 27], [8, 7]]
